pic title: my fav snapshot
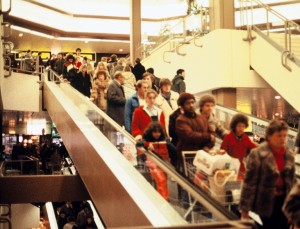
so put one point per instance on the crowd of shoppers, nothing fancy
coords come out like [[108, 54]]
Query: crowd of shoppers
[[162, 111]]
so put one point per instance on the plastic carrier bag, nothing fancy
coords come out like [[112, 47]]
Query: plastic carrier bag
[[218, 181], [209, 162]]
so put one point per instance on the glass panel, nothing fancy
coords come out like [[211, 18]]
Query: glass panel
[[173, 187]]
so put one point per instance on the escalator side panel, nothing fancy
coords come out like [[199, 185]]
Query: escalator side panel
[[112, 201]]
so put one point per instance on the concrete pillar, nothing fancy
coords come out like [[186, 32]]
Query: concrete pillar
[[221, 14], [135, 30]]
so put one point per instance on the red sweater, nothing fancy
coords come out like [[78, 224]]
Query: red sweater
[[237, 148], [141, 119], [279, 158]]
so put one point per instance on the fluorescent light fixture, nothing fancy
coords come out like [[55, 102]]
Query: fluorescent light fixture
[[86, 40], [21, 29], [277, 97], [90, 39]]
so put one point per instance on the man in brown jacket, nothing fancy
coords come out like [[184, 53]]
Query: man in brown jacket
[[192, 129]]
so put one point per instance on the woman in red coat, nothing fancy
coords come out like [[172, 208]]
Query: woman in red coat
[[144, 115], [237, 144]]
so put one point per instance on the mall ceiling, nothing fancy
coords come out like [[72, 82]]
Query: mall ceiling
[[30, 14]]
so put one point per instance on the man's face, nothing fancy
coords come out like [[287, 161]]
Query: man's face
[[183, 74], [207, 108], [150, 99], [143, 89], [240, 129], [149, 80], [166, 88], [189, 106], [121, 79]]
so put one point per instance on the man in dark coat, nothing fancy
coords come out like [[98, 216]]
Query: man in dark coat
[[116, 99], [178, 83], [138, 70]]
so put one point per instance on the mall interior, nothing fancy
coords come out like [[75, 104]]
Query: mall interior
[[246, 53]]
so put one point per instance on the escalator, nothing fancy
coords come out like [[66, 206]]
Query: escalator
[[122, 196]]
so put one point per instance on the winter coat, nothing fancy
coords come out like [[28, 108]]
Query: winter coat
[[99, 93], [70, 73], [193, 132], [258, 191], [163, 104], [138, 70], [129, 80], [178, 84], [238, 147], [84, 84], [172, 126], [291, 206], [116, 102], [171, 148], [216, 126], [142, 118], [131, 104], [59, 65]]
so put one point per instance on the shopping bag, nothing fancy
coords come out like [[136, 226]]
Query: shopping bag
[[209, 163], [218, 181]]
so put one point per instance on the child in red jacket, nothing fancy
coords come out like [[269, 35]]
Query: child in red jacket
[[154, 139], [237, 144]]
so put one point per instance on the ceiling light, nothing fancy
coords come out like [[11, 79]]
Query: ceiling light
[[277, 97], [20, 34], [120, 50], [21, 29], [276, 114], [90, 39]]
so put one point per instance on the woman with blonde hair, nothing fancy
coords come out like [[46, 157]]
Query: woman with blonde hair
[[84, 84], [99, 89], [101, 67]]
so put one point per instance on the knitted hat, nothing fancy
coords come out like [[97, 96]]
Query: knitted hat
[[184, 97]]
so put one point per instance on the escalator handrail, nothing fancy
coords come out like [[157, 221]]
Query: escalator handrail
[[199, 195]]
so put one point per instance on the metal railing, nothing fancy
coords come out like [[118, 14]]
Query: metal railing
[[29, 165], [122, 139], [5, 216], [182, 32], [270, 21]]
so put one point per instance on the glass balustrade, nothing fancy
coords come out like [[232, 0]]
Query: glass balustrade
[[196, 202]]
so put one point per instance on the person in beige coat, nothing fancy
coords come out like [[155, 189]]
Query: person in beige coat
[[167, 99], [99, 89]]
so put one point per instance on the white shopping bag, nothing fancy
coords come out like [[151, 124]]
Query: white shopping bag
[[209, 163]]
